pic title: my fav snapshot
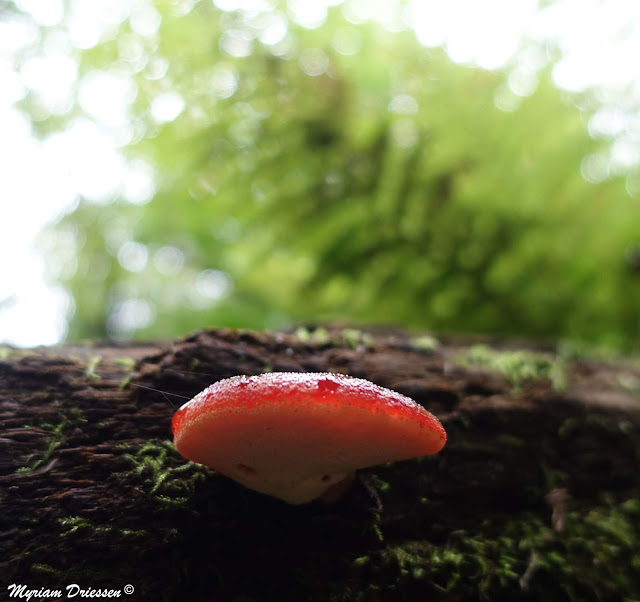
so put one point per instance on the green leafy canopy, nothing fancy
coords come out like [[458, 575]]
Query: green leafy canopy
[[344, 172]]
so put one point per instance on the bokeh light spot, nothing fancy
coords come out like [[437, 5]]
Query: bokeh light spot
[[133, 256], [314, 61], [168, 260], [129, 315], [166, 107]]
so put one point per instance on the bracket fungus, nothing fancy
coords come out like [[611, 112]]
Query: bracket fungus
[[301, 436]]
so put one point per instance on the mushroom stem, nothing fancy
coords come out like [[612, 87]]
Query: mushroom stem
[[337, 490]]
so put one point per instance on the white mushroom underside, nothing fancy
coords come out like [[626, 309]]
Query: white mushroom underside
[[291, 488]]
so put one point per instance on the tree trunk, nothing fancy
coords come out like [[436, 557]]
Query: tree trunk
[[536, 495]]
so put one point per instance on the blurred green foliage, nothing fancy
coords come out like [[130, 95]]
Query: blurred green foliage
[[348, 173]]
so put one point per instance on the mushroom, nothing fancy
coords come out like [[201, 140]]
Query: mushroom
[[301, 436]]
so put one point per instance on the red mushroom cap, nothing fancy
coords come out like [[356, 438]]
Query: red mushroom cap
[[294, 435]]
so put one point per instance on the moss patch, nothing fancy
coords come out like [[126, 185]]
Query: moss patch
[[319, 336], [164, 474], [76, 524], [68, 421], [517, 367], [596, 556], [424, 342], [90, 371]]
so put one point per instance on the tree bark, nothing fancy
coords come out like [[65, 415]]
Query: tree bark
[[536, 495]]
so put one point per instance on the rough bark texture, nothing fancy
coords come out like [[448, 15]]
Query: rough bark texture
[[535, 497]]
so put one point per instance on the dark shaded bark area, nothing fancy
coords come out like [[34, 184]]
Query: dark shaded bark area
[[535, 497]]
